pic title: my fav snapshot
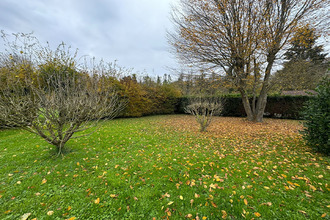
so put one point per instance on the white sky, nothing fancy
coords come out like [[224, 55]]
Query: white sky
[[133, 32]]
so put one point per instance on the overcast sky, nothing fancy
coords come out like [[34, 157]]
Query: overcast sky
[[133, 32]]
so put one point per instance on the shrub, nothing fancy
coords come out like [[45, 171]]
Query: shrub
[[317, 119], [203, 109]]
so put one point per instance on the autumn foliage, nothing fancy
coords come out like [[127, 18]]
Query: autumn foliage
[[240, 39]]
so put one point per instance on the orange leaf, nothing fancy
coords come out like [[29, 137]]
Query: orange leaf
[[257, 214], [224, 214], [97, 201]]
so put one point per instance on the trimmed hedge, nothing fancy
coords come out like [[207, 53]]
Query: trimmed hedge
[[288, 107]]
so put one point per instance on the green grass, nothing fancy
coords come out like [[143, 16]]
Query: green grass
[[161, 166]]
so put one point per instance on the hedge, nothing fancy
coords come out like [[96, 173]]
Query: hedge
[[288, 107]]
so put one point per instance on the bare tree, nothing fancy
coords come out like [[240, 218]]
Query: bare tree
[[241, 38], [53, 98], [204, 109]]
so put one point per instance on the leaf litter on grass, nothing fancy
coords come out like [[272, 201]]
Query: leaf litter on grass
[[163, 167]]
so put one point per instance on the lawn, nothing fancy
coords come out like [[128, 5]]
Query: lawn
[[161, 167]]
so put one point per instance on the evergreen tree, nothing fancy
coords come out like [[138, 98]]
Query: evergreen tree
[[303, 46], [306, 62]]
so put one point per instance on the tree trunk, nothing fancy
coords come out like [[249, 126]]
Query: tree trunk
[[262, 101], [260, 108], [60, 148], [247, 106]]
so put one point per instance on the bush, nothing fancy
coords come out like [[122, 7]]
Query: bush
[[317, 119], [203, 109]]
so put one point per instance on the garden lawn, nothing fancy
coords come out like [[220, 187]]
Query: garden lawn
[[161, 167]]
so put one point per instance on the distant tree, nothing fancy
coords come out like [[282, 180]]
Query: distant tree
[[303, 46], [306, 64], [54, 98], [241, 39], [138, 104]]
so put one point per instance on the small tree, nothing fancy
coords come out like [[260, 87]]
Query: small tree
[[54, 98], [317, 119], [204, 109]]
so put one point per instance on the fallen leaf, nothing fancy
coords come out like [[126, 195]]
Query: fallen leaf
[[245, 202], [97, 201], [224, 214], [323, 215], [189, 216], [312, 187], [43, 181], [170, 203], [181, 197], [113, 196], [167, 195], [257, 214], [191, 202], [25, 216], [50, 212]]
